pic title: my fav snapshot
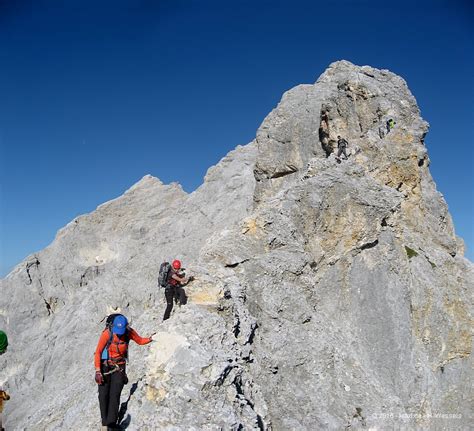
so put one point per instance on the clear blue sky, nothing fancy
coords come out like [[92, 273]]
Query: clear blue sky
[[96, 94]]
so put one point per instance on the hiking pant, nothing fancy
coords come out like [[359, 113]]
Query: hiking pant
[[342, 150], [109, 396], [173, 293], [180, 295], [170, 294], [381, 132]]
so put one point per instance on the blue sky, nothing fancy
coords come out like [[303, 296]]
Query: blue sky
[[96, 94]]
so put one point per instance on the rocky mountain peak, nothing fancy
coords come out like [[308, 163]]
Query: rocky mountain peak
[[148, 182], [329, 293]]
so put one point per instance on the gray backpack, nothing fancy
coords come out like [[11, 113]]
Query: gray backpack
[[163, 275]]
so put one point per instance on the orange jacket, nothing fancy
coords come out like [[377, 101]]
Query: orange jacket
[[116, 351]]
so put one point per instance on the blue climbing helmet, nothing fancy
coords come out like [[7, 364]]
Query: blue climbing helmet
[[120, 325]]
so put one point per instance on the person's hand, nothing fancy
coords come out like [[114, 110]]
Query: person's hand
[[99, 378]]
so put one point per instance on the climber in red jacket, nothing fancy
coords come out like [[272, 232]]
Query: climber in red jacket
[[110, 366], [175, 280]]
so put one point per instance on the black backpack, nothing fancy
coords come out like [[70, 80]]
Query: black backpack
[[109, 322], [342, 143], [164, 274]]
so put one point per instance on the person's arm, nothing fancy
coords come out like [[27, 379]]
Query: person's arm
[[104, 338], [181, 280], [139, 340]]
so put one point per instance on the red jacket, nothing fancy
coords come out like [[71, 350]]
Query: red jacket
[[116, 351], [173, 281]]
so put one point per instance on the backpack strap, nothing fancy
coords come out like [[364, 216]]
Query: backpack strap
[[105, 352], [169, 274], [110, 342]]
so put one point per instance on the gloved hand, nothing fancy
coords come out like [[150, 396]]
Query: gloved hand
[[99, 378]]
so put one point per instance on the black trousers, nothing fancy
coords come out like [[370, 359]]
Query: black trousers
[[109, 396], [342, 150], [173, 293], [180, 295], [170, 293]]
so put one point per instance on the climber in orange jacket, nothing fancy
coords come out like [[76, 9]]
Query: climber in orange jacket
[[110, 365]]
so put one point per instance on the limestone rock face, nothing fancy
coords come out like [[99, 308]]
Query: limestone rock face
[[329, 293]]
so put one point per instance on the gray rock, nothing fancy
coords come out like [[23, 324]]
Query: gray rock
[[327, 295]]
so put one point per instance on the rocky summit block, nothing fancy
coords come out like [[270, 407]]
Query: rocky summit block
[[329, 293]]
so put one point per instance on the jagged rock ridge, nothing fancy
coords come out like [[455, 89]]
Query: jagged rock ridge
[[327, 295]]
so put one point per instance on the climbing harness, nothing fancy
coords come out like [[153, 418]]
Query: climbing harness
[[113, 370]]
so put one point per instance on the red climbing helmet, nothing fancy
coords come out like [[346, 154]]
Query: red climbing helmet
[[176, 264]]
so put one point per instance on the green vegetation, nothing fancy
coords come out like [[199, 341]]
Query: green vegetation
[[410, 252]]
